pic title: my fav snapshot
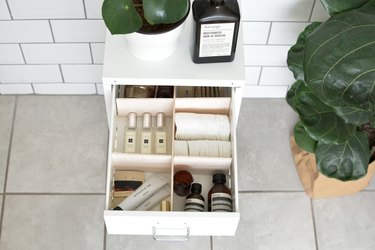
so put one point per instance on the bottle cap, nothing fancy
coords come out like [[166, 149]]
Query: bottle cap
[[146, 120], [160, 119], [219, 178], [132, 120], [196, 187]]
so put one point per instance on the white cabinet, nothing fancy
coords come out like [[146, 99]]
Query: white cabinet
[[122, 68]]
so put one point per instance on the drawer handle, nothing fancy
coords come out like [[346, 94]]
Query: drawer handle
[[184, 236]]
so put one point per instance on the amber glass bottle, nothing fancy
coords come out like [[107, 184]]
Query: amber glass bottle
[[216, 25], [219, 197], [195, 201]]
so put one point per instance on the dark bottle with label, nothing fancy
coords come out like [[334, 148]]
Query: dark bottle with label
[[215, 30], [219, 197], [195, 201]]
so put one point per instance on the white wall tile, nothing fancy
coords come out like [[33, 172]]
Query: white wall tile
[[79, 30], [82, 73], [319, 14], [276, 76], [29, 73], [255, 32], [65, 89], [258, 55], [99, 87], [94, 8], [97, 52], [265, 91], [10, 54], [39, 9], [285, 33], [252, 75], [4, 12], [276, 10], [16, 89], [56, 53], [25, 31]]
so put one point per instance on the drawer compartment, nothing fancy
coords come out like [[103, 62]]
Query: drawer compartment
[[174, 224]]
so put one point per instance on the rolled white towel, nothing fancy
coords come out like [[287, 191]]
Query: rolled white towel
[[209, 148], [192, 126], [181, 148]]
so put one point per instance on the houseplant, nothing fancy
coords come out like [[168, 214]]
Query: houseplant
[[334, 66], [142, 20]]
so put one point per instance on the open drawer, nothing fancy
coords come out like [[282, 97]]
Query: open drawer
[[175, 224]]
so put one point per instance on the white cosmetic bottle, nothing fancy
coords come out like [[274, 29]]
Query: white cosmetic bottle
[[131, 134], [146, 134], [160, 134]]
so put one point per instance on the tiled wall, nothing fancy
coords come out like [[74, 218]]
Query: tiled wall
[[56, 46]]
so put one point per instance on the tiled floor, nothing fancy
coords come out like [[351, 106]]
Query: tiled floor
[[52, 178]]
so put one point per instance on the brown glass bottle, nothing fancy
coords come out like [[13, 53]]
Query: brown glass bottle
[[195, 201], [215, 30], [219, 197]]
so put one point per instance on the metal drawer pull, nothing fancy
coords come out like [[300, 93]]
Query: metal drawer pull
[[172, 235]]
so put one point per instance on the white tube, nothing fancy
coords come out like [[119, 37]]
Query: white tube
[[148, 188], [154, 199]]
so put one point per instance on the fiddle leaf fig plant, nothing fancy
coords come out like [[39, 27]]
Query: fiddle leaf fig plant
[[334, 94], [128, 16]]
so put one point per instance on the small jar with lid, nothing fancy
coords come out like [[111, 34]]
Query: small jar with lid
[[219, 197]]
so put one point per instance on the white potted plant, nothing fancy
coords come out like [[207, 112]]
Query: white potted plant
[[151, 27]]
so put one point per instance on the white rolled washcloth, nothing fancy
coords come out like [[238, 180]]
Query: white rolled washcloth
[[192, 126]]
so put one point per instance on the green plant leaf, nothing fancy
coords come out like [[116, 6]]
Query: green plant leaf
[[165, 11], [120, 16], [296, 52], [346, 161], [338, 6], [339, 60], [319, 119], [354, 115], [303, 139]]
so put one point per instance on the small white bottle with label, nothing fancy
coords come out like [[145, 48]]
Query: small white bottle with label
[[131, 134], [146, 134], [160, 134]]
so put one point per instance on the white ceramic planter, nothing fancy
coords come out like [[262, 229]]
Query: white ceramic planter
[[154, 47]]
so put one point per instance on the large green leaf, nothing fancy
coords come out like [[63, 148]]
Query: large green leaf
[[303, 139], [120, 16], [319, 119], [346, 161], [165, 11], [339, 61], [354, 115], [338, 6], [296, 52]]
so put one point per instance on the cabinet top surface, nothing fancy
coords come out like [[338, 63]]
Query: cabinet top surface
[[122, 67]]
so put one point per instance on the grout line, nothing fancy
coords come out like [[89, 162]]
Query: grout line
[[84, 8], [260, 76], [271, 191], [50, 27], [8, 162], [105, 238], [32, 87], [10, 12], [312, 10], [23, 55], [212, 242], [269, 33], [314, 224], [54, 19], [62, 75], [92, 56], [60, 43]]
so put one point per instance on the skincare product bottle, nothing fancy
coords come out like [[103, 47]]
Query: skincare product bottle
[[131, 134], [195, 201], [219, 197], [146, 134], [160, 134], [216, 25], [182, 182], [165, 205], [154, 199], [145, 191]]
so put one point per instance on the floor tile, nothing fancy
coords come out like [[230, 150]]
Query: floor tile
[[59, 145], [120, 242], [264, 156], [6, 119], [271, 221], [53, 222], [346, 223]]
